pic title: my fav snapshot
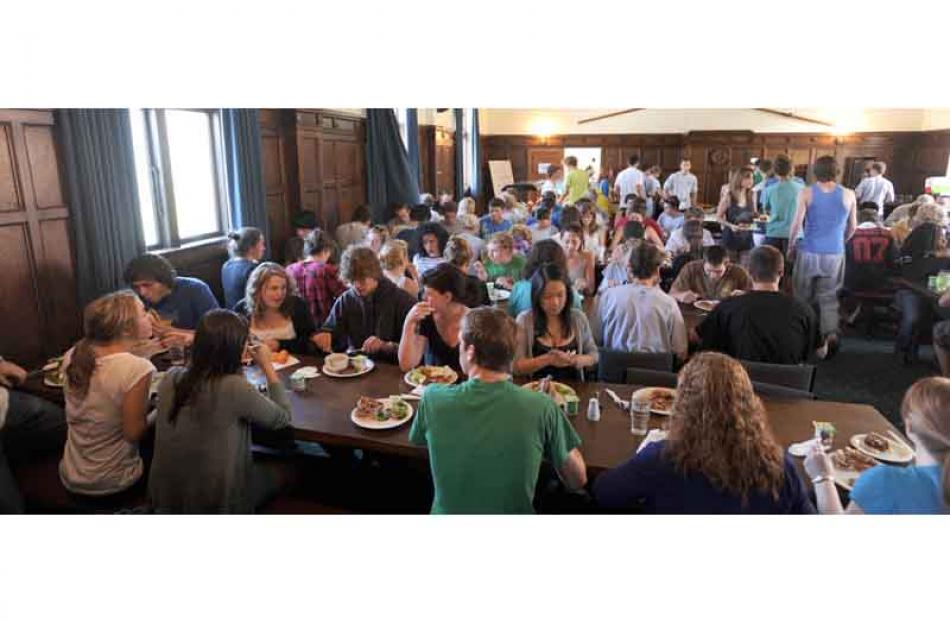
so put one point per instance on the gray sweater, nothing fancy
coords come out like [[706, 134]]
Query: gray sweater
[[202, 462], [580, 326]]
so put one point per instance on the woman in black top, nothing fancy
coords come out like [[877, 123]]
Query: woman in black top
[[431, 330], [246, 247], [736, 212], [277, 315]]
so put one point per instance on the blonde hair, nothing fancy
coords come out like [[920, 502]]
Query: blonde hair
[[109, 318], [521, 231], [255, 288], [928, 212], [926, 412], [466, 206], [393, 254], [458, 252], [503, 240], [719, 429]]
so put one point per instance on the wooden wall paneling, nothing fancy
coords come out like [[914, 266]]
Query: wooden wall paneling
[[541, 156], [444, 180], [276, 173], [44, 169], [19, 298], [9, 189], [427, 159]]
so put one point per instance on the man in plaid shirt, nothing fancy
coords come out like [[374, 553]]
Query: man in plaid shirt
[[317, 281]]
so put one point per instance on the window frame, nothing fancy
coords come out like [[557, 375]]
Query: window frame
[[162, 182]]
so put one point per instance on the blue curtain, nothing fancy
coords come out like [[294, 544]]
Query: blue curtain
[[412, 144], [476, 154], [389, 177], [99, 171], [242, 154], [459, 154]]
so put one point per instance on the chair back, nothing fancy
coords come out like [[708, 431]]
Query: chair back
[[797, 376], [781, 392], [650, 377], [614, 363]]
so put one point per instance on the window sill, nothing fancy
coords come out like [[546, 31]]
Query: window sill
[[206, 247]]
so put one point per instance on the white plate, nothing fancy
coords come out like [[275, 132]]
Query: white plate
[[499, 295], [844, 478], [647, 393], [392, 423], [706, 305], [52, 384], [455, 378], [291, 361], [896, 453], [369, 366]]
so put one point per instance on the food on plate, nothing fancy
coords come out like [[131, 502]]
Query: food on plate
[[432, 375], [281, 357], [368, 407], [382, 409], [877, 442], [346, 365], [706, 305], [852, 459], [662, 400], [561, 393]]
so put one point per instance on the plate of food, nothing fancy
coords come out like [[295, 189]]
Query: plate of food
[[282, 360], [564, 396], [884, 449], [341, 365], [160, 322], [388, 413], [706, 305], [53, 375], [423, 376], [848, 465], [499, 295], [661, 399]]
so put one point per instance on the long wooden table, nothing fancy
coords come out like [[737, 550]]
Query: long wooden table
[[322, 414]]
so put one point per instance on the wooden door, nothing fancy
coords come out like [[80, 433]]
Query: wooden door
[[539, 159], [444, 161]]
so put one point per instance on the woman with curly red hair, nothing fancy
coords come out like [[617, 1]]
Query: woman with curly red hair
[[719, 457]]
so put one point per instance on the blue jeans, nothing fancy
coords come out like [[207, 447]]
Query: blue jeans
[[34, 428]]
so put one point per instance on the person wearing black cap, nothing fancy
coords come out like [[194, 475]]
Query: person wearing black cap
[[303, 222]]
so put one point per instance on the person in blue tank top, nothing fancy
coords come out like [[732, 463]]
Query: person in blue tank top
[[826, 215], [885, 489]]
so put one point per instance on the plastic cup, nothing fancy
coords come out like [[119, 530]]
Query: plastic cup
[[639, 417], [298, 383], [176, 355]]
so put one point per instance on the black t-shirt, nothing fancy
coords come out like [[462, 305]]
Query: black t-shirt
[[762, 326], [438, 353]]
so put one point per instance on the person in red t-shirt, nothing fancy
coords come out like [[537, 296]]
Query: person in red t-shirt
[[636, 210], [871, 257], [317, 280]]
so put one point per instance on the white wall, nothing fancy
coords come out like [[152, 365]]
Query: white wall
[[667, 120]]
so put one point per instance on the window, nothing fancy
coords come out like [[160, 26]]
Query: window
[[401, 114], [467, 152], [179, 166]]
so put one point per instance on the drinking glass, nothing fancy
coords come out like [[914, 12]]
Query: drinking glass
[[176, 355], [639, 417]]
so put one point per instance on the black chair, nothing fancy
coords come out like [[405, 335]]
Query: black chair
[[781, 392], [650, 377], [797, 376], [614, 363]]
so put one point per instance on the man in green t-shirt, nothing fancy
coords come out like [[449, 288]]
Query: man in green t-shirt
[[576, 182], [487, 437]]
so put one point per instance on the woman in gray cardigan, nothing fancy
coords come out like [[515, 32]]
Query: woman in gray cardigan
[[202, 461], [553, 337]]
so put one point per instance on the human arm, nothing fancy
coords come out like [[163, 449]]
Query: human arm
[[804, 197], [11, 374], [680, 340], [573, 470], [412, 345], [723, 206], [134, 408], [272, 411], [621, 487], [819, 467], [852, 205], [651, 236], [680, 289], [334, 327]]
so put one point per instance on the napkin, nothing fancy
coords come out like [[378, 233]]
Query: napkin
[[623, 405], [305, 373], [654, 435], [801, 449]]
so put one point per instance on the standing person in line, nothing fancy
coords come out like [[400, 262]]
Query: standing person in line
[[780, 202], [768, 180], [652, 189], [682, 184], [354, 232], [827, 211], [875, 188], [246, 247], [202, 461], [554, 181], [736, 213], [576, 182], [629, 180]]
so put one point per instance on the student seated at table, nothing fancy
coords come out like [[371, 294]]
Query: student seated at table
[[30, 428], [714, 277], [923, 487], [318, 281], [547, 251], [617, 270], [179, 299], [763, 325], [430, 332], [692, 231], [871, 259], [595, 234], [376, 236], [503, 266], [495, 221], [106, 401], [486, 437], [276, 314], [521, 234], [580, 261], [394, 258], [639, 316], [719, 456], [554, 338], [671, 218], [636, 211], [202, 460], [400, 218], [459, 254], [354, 231], [369, 316], [430, 246], [543, 228], [468, 224], [246, 247], [678, 244]]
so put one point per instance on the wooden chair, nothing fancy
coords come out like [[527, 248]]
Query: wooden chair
[[781, 392], [650, 377], [614, 363], [797, 376]]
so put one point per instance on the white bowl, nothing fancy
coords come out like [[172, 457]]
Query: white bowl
[[337, 362]]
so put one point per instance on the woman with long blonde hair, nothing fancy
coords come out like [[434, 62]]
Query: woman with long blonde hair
[[106, 394], [719, 457], [921, 488], [736, 213], [277, 315]]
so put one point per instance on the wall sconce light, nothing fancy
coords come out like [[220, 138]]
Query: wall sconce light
[[542, 128]]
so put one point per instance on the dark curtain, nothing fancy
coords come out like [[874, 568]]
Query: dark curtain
[[242, 155], [459, 154], [389, 177], [99, 171], [412, 143], [476, 154]]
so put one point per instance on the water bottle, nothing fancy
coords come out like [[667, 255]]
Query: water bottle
[[593, 409]]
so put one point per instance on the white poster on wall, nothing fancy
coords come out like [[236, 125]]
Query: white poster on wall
[[501, 175]]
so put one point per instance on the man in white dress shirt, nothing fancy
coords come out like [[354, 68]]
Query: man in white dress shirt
[[875, 188], [682, 184], [630, 179]]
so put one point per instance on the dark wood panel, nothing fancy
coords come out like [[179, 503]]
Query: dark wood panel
[[44, 170], [19, 301], [59, 284], [9, 192], [271, 157]]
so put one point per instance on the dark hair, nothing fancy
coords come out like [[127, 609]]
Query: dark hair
[[359, 262], [629, 197], [766, 264], [493, 335], [694, 213], [826, 168], [865, 206], [549, 272], [219, 345], [545, 251], [447, 207], [549, 196], [783, 165], [542, 213], [242, 240], [671, 201], [570, 215], [693, 234], [394, 208], [496, 202], [633, 230], [420, 213], [576, 229], [431, 228], [633, 160], [645, 260], [447, 278], [150, 266], [316, 242], [765, 165], [714, 255], [304, 220], [570, 160], [552, 170], [361, 214], [878, 167], [639, 206]]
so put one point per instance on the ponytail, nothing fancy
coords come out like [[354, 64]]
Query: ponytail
[[82, 364], [243, 240]]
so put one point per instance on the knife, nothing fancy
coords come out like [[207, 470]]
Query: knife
[[620, 403]]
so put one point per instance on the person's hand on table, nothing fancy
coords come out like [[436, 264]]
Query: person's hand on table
[[559, 358], [373, 345], [689, 297], [11, 374], [177, 338], [416, 314], [817, 462], [323, 341]]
